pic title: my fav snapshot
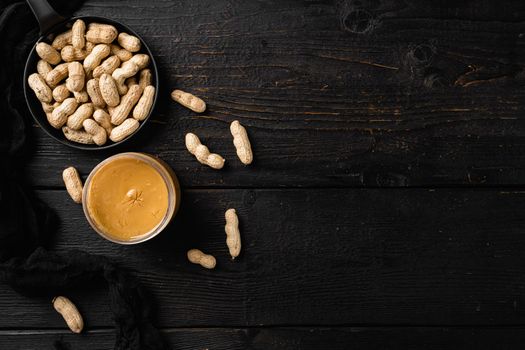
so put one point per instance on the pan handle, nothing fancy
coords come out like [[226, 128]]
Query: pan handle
[[46, 16]]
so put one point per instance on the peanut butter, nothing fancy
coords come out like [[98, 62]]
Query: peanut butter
[[127, 198]]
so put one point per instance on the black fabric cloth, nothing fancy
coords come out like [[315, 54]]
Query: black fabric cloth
[[26, 223]]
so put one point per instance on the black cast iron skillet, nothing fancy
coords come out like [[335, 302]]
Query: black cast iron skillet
[[52, 24]]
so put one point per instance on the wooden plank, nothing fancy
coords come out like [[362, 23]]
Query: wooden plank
[[385, 94], [315, 257], [289, 338]]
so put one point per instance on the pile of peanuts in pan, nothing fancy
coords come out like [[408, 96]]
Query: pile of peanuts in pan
[[93, 84]]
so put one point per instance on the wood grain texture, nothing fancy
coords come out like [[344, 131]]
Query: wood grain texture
[[315, 257], [342, 93], [410, 338]]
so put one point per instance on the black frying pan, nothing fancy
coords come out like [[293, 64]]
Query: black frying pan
[[51, 24]]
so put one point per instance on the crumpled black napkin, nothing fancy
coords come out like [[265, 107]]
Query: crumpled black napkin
[[26, 222]]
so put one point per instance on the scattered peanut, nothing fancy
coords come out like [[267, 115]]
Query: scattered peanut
[[103, 119], [73, 183], [61, 40], [60, 114], [108, 90], [196, 256], [42, 67], [76, 79], [101, 33], [93, 90], [121, 53], [77, 34], [108, 66], [143, 107], [48, 53], [99, 134], [39, 86], [58, 74], [202, 153], [126, 128], [241, 142], [77, 136], [127, 102], [129, 42], [83, 112], [189, 101], [61, 92], [145, 78], [92, 60], [70, 313], [233, 235]]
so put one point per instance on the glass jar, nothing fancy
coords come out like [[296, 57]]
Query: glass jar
[[94, 217]]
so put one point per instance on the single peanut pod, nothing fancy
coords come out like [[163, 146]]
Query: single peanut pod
[[127, 102], [58, 74], [83, 112], [48, 53], [99, 134], [127, 70], [103, 119], [202, 153], [81, 96], [108, 90], [92, 60], [108, 66], [233, 235], [77, 136], [126, 128], [129, 42], [130, 81], [60, 93], [101, 33], [141, 110], [63, 39], [59, 116], [140, 59], [145, 78], [73, 184], [47, 107], [70, 54], [93, 90], [77, 37], [196, 256], [121, 53], [241, 142], [189, 101], [70, 313], [77, 76], [39, 86], [42, 67]]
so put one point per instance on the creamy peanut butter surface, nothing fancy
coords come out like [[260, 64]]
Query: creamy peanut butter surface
[[127, 198]]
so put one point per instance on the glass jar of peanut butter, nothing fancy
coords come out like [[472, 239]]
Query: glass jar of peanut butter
[[130, 197]]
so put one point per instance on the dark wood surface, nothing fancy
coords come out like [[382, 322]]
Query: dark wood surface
[[385, 206]]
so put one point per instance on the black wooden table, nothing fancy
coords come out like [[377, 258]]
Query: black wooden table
[[385, 206]]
